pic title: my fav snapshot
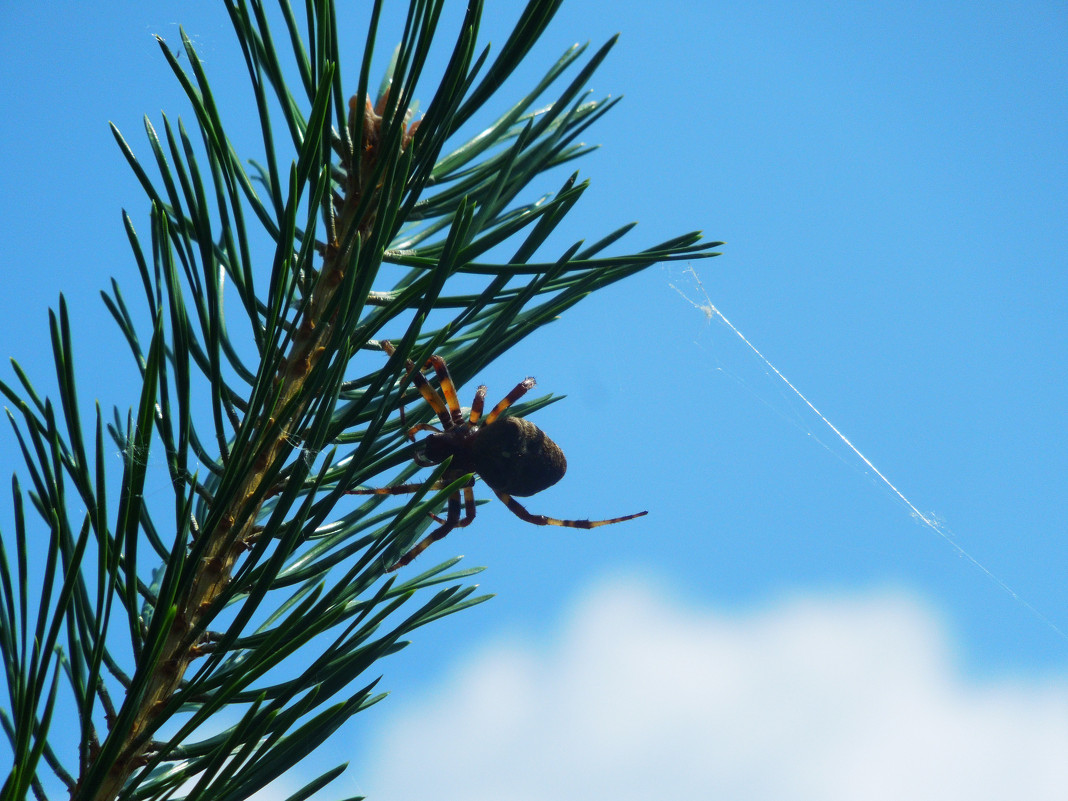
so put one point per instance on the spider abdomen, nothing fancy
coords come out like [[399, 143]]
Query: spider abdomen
[[514, 456]]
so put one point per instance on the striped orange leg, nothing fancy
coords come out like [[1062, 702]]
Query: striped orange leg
[[422, 427], [416, 428], [450, 523], [431, 397], [448, 388], [518, 392], [477, 404], [447, 525], [396, 489], [541, 520], [427, 391]]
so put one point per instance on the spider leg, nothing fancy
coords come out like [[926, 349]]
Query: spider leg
[[427, 391], [477, 404], [469, 508], [541, 520], [431, 396], [518, 392], [418, 456], [421, 427], [396, 489], [448, 388], [439, 533]]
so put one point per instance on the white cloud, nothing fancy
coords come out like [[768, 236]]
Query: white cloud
[[845, 698]]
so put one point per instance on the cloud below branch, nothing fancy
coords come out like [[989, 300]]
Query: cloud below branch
[[814, 698]]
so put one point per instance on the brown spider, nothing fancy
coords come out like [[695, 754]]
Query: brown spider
[[512, 455]]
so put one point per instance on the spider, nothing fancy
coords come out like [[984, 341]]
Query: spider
[[512, 455]]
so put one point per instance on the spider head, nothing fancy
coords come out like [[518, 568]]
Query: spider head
[[512, 455], [454, 442]]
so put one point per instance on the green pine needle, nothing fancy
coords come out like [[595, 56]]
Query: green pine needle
[[262, 589]]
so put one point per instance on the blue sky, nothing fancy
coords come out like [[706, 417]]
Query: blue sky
[[892, 186]]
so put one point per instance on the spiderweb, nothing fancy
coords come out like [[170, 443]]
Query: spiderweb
[[704, 304]]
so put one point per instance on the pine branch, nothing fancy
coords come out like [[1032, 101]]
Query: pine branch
[[258, 592]]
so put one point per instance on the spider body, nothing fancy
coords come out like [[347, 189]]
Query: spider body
[[512, 455]]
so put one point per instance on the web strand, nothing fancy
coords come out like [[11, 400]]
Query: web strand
[[711, 312]]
